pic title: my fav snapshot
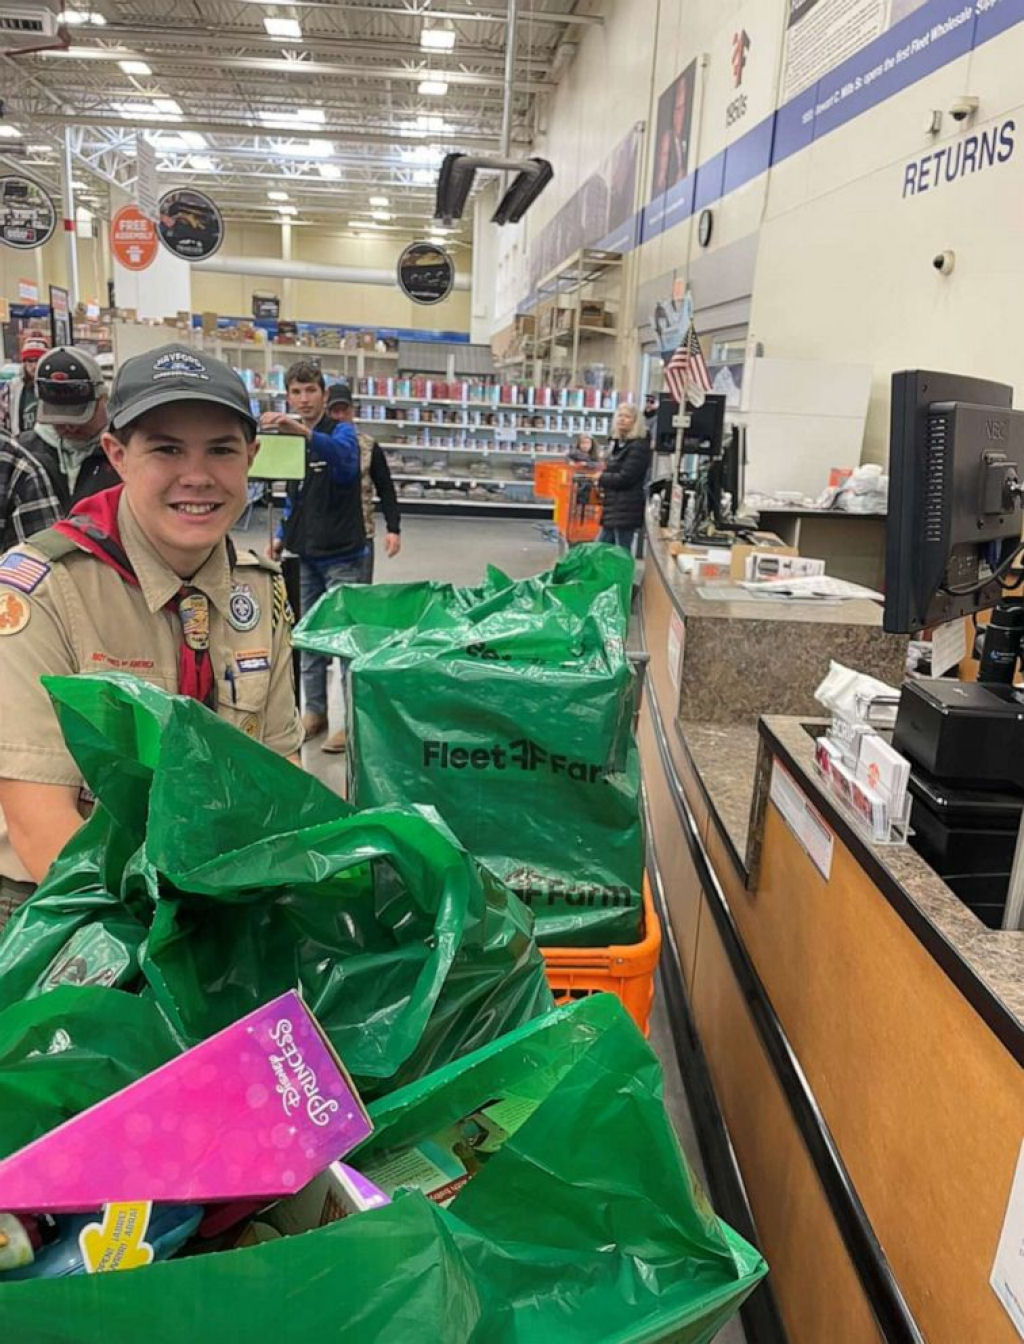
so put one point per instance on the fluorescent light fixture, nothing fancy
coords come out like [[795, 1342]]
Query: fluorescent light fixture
[[97, 19], [193, 139], [360, 224], [429, 121], [139, 111], [423, 154], [437, 39], [432, 88], [167, 106], [421, 175], [283, 28], [315, 116], [277, 195], [135, 67], [40, 149], [171, 144], [79, 186], [75, 16], [331, 171], [379, 200], [288, 209], [8, 132], [202, 163], [314, 149], [382, 215]]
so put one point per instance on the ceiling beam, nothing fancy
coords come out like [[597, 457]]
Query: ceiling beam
[[138, 35], [356, 136]]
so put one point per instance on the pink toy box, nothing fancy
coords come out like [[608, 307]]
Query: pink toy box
[[254, 1112]]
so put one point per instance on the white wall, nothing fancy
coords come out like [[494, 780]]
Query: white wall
[[823, 252]]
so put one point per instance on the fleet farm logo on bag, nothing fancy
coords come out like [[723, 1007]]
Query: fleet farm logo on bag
[[301, 1081], [522, 754], [537, 889]]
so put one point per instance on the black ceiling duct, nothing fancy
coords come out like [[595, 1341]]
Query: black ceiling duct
[[455, 181]]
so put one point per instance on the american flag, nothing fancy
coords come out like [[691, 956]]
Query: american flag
[[686, 374], [23, 571]]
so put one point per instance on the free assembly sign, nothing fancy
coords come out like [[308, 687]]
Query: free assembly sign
[[426, 273], [27, 215]]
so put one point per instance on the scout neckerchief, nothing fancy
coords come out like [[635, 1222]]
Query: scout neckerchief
[[92, 526]]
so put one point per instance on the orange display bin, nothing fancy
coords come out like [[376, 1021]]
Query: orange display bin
[[627, 971], [573, 487]]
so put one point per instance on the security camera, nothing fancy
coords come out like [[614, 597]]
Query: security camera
[[964, 107], [944, 262]]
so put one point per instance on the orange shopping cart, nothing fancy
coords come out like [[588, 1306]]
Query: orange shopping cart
[[573, 487]]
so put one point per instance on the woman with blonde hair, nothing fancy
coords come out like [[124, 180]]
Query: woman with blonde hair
[[622, 481]]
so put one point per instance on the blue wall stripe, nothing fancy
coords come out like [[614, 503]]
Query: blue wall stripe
[[824, 107]]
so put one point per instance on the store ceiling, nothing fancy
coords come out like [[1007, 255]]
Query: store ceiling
[[332, 114]]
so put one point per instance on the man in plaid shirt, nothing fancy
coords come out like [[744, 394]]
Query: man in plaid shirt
[[60, 461]]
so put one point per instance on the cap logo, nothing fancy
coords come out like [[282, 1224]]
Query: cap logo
[[180, 364]]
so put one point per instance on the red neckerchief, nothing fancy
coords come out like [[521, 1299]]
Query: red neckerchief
[[92, 526]]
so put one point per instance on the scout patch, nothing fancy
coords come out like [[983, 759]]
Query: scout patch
[[243, 609], [194, 611], [258, 660], [15, 613], [282, 607], [23, 571]]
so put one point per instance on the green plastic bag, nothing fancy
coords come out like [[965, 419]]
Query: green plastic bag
[[354, 619], [518, 729], [585, 1225], [67, 1050], [245, 877]]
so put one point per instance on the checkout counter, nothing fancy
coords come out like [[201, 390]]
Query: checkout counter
[[850, 1032]]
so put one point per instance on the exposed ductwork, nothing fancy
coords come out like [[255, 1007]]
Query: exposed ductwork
[[305, 270]]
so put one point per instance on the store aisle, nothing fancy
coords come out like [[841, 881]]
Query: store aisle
[[458, 551]]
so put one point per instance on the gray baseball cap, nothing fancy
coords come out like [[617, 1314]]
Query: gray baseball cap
[[69, 383], [176, 373]]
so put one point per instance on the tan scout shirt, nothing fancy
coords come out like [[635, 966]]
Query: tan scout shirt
[[83, 617]]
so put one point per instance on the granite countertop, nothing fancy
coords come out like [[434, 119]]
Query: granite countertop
[[689, 601], [996, 958], [725, 758]]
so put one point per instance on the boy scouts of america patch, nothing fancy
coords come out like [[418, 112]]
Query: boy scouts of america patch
[[15, 613], [243, 609]]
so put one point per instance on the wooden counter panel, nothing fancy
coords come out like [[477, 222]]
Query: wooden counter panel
[[679, 877], [658, 609], [815, 1283], [926, 1105]]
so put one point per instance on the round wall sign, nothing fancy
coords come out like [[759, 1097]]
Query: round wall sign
[[133, 238], [27, 215], [426, 273], [190, 225]]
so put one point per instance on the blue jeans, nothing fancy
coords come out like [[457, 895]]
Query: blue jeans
[[619, 536], [315, 578]]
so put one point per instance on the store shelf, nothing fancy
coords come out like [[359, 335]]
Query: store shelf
[[533, 407], [525, 430], [407, 445], [534, 507], [457, 480]]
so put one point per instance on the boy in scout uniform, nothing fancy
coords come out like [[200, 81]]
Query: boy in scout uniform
[[141, 578]]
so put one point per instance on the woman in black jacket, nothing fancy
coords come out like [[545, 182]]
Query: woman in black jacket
[[622, 481]]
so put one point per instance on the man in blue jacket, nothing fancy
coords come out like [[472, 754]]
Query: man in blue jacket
[[315, 523]]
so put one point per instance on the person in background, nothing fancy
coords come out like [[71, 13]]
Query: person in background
[[374, 477], [48, 469], [317, 522], [622, 481], [584, 449], [23, 388], [144, 576]]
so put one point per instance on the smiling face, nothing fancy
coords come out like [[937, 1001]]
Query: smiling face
[[185, 468]]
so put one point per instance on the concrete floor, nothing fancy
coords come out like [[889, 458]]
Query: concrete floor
[[458, 550]]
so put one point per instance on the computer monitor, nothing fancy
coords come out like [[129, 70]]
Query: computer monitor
[[707, 422], [954, 519], [704, 434]]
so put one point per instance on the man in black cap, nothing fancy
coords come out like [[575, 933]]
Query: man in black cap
[[142, 578], [60, 460]]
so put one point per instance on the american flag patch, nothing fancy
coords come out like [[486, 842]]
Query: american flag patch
[[23, 571]]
